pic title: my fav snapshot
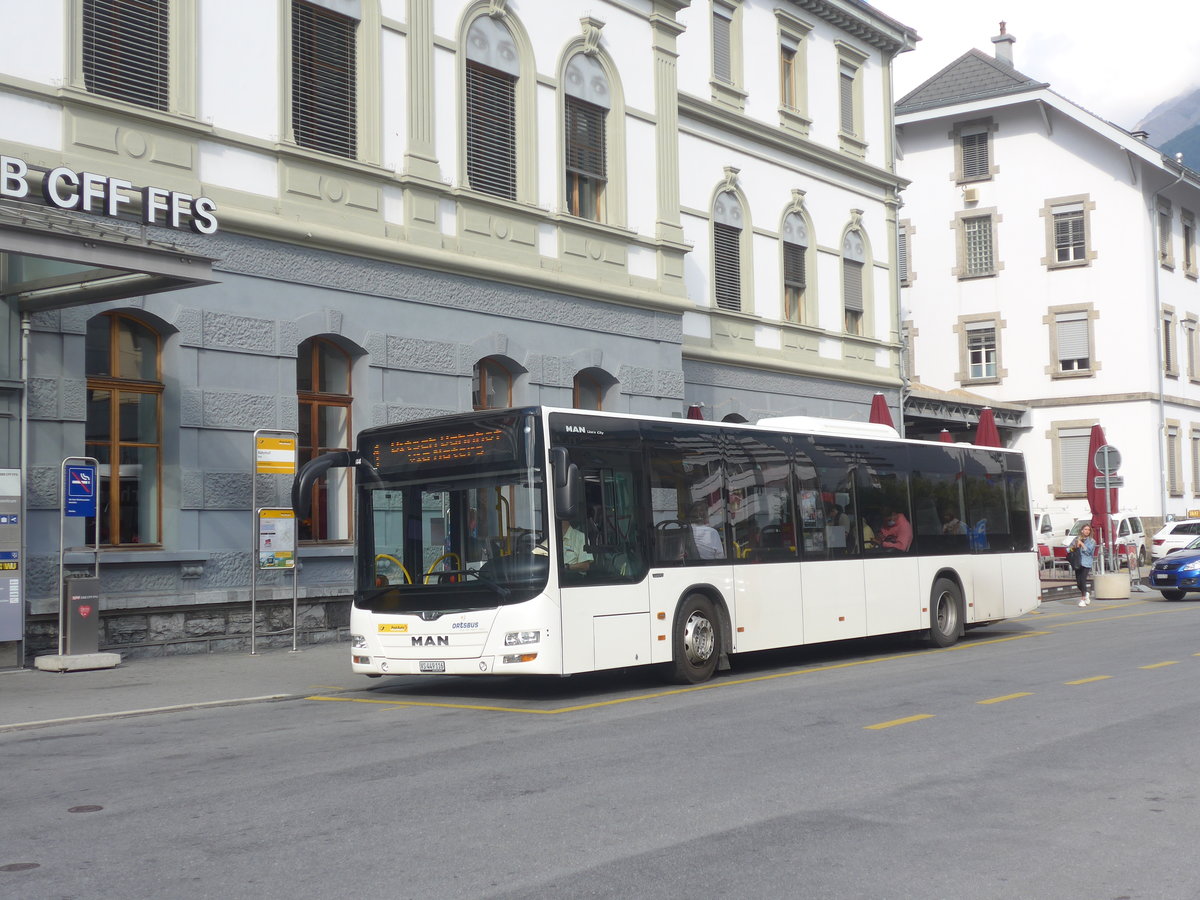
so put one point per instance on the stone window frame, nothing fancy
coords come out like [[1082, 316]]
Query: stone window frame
[[1191, 341], [615, 211], [1091, 314], [1165, 224], [368, 138], [1047, 212], [852, 62], [1170, 342], [963, 328], [1194, 435], [733, 92], [908, 351], [1188, 220], [524, 102], [960, 242], [182, 77], [1172, 434], [985, 126], [809, 306], [1081, 430], [793, 34]]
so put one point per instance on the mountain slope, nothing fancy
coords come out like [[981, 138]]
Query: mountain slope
[[1172, 118]]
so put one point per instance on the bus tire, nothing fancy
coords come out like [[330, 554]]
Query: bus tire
[[945, 613], [1172, 595], [696, 643]]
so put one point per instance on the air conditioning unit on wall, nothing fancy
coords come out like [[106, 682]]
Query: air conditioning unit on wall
[[970, 195]]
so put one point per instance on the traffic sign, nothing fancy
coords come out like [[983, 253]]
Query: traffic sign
[[80, 491], [1104, 482], [1107, 459]]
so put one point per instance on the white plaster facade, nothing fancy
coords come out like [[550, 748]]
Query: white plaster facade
[[1048, 155]]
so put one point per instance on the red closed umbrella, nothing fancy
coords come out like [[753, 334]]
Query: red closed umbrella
[[1100, 502], [986, 434], [880, 414], [946, 437]]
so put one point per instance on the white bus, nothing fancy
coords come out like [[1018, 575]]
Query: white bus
[[556, 541]]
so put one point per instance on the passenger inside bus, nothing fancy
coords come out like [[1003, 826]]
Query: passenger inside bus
[[896, 532]]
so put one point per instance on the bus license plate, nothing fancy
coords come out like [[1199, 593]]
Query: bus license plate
[[431, 665]]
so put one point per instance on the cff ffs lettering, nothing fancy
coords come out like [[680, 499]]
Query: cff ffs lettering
[[64, 188]]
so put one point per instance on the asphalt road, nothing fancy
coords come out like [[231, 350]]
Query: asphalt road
[[1050, 757]]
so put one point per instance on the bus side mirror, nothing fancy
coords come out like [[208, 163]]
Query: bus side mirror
[[311, 471], [568, 484]]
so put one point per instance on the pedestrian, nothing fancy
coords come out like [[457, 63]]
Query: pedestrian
[[1086, 545]]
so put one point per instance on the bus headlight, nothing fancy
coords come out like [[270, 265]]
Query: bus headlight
[[358, 642], [513, 638]]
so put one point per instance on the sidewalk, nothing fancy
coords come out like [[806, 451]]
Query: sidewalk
[[29, 696]]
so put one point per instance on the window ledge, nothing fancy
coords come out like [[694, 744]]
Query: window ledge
[[316, 551], [977, 275], [792, 120], [1081, 373], [849, 143], [1070, 264], [78, 556]]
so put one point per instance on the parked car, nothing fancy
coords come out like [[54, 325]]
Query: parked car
[[1177, 572], [1173, 536], [1048, 524], [1127, 531]]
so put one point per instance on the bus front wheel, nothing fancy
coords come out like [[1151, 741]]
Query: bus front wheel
[[696, 642], [945, 613]]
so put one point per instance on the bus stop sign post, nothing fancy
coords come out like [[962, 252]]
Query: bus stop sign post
[[79, 616], [274, 530], [1107, 460]]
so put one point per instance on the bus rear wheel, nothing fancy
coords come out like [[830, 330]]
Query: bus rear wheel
[[945, 613], [696, 643]]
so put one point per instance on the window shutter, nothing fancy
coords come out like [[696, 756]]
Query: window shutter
[[125, 50], [1068, 232], [975, 154], [1173, 460], [323, 79], [491, 131], [1072, 335], [846, 100], [727, 266], [902, 255], [585, 138], [1073, 461], [793, 265], [852, 287], [722, 48]]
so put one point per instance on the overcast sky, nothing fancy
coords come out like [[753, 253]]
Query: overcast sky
[[1117, 61]]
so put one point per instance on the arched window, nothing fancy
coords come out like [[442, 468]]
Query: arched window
[[727, 251], [491, 385], [795, 269], [589, 392], [586, 108], [853, 259], [124, 427], [493, 68], [324, 399]]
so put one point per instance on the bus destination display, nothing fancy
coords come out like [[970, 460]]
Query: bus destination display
[[470, 445]]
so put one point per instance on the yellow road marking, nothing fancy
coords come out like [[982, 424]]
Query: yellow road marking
[[1169, 662], [1005, 697], [1088, 680], [894, 722]]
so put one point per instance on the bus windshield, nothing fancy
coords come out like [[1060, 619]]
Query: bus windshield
[[457, 519]]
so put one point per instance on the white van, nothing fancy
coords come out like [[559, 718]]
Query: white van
[[1127, 530], [1049, 524]]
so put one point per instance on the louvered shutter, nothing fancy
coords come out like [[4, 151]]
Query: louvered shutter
[[125, 50], [727, 266], [585, 138], [793, 266], [491, 131], [852, 285], [902, 255], [324, 79], [1073, 460], [975, 154], [1068, 232], [722, 47], [846, 99]]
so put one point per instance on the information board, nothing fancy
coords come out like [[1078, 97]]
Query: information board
[[80, 491], [276, 539], [275, 456]]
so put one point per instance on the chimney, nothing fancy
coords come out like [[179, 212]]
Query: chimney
[[1004, 42], [1141, 135]]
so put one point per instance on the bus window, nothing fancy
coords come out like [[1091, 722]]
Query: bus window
[[987, 511], [760, 502], [883, 501], [939, 518], [608, 524], [825, 479], [687, 495]]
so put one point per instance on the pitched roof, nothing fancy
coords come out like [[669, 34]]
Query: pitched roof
[[973, 76]]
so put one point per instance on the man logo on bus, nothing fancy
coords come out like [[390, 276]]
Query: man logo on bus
[[430, 640]]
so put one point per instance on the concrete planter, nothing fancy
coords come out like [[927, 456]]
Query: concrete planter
[[1113, 586]]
